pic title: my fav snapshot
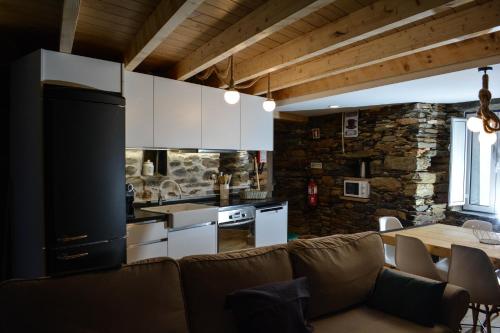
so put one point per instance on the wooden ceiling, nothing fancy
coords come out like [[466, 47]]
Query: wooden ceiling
[[311, 48]]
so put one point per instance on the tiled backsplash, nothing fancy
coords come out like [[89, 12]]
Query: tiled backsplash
[[192, 171]]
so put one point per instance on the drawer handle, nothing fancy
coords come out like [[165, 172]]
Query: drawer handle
[[73, 256], [71, 239]]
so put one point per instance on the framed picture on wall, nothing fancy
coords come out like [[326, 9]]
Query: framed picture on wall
[[351, 124]]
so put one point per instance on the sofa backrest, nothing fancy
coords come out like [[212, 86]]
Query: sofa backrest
[[207, 279], [146, 297], [341, 269]]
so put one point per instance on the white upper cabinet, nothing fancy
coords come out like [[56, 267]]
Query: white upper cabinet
[[256, 124], [139, 121], [177, 114], [81, 71], [220, 121]]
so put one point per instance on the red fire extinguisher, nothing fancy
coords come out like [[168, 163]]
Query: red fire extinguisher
[[312, 193]]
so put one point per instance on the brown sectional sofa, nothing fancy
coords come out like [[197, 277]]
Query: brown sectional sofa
[[188, 296]]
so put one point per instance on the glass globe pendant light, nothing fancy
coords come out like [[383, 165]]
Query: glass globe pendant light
[[475, 124], [487, 138], [231, 96], [269, 104]]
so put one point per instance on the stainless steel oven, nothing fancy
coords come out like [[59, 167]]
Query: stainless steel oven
[[236, 229]]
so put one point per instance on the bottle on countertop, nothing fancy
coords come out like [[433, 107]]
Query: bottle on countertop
[[148, 168]]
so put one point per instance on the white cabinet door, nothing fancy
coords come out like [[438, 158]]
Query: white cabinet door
[[220, 121], [271, 225], [82, 71], [256, 124], [138, 92], [190, 241], [177, 114], [146, 251]]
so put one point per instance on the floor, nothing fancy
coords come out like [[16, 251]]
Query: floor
[[467, 323]]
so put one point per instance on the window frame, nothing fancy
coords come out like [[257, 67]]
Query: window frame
[[494, 191]]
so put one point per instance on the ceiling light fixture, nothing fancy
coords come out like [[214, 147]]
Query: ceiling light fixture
[[334, 106], [269, 104], [231, 96], [485, 122]]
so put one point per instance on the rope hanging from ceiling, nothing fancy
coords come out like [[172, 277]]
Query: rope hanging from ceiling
[[491, 123]]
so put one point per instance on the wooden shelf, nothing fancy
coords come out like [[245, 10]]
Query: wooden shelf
[[354, 199]]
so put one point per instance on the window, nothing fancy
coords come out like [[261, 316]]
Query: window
[[473, 170]]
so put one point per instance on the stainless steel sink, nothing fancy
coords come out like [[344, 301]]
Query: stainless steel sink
[[186, 214]]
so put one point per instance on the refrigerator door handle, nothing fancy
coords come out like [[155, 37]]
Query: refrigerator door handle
[[72, 256], [71, 238]]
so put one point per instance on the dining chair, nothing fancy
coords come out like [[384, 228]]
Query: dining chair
[[470, 224], [470, 268], [478, 224], [389, 223], [412, 257]]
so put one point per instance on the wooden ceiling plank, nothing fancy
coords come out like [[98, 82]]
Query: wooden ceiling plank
[[260, 23], [167, 16], [475, 52], [369, 21], [459, 25], [71, 8]]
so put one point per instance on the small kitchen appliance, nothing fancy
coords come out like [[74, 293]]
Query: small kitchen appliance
[[357, 188]]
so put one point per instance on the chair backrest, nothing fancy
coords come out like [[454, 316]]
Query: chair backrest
[[478, 224], [389, 223], [470, 268], [412, 257]]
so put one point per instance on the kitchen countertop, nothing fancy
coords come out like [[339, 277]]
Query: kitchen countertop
[[233, 203]]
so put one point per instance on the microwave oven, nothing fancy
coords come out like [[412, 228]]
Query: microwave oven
[[357, 188]]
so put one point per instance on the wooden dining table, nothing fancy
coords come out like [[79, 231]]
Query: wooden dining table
[[438, 239]]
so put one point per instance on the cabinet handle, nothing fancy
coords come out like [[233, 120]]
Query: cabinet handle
[[71, 238], [72, 256]]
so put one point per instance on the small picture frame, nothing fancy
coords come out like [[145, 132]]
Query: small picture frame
[[351, 124]]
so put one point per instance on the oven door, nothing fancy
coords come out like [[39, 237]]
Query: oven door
[[237, 235]]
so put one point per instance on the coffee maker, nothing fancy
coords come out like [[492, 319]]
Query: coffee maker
[[129, 195]]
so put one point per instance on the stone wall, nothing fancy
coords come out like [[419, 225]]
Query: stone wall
[[194, 173], [407, 150]]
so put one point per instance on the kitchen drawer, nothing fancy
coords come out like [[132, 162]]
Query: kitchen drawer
[[146, 251], [146, 232], [85, 257]]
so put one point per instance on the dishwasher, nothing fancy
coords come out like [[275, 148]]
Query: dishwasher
[[271, 224]]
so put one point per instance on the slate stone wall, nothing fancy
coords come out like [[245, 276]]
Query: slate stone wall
[[192, 171], [407, 150]]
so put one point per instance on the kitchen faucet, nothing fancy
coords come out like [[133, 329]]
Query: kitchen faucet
[[160, 196]]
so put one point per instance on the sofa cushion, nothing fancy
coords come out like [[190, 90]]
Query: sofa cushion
[[407, 297], [364, 319], [341, 269], [271, 308], [137, 298], [207, 279]]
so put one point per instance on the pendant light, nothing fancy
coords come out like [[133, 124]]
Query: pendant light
[[269, 104], [485, 122], [231, 96]]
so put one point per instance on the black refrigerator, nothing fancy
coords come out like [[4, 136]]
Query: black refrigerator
[[83, 185]]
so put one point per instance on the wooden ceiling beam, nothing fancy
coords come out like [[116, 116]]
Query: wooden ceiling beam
[[460, 25], [167, 16], [290, 116], [471, 53], [369, 21], [266, 19], [71, 9]]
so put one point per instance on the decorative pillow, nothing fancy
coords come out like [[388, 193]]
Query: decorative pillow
[[271, 308], [409, 298]]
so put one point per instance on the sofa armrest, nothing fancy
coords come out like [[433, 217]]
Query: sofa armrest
[[454, 304]]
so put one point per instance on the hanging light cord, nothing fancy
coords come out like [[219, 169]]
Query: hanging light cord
[[223, 75], [491, 123]]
